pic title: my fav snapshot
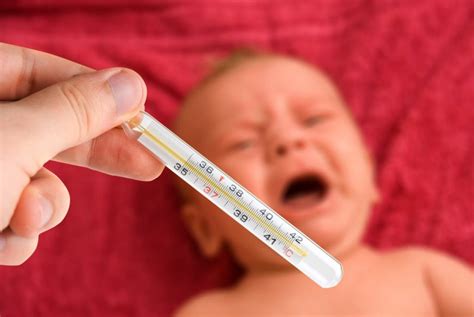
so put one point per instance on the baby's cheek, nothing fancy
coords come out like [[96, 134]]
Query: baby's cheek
[[354, 169], [347, 149], [247, 171]]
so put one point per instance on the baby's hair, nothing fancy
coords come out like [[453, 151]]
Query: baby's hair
[[218, 67], [221, 66], [233, 59]]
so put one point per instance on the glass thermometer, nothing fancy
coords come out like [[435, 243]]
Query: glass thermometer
[[236, 201]]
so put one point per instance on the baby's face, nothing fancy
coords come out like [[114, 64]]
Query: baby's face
[[281, 129]]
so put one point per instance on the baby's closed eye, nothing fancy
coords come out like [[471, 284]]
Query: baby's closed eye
[[314, 119], [243, 143]]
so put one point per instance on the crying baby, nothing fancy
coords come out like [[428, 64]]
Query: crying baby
[[281, 128]]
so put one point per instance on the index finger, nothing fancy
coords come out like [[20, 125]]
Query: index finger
[[24, 71]]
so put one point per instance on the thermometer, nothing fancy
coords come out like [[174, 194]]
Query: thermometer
[[236, 201]]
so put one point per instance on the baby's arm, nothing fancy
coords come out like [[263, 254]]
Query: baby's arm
[[452, 284]]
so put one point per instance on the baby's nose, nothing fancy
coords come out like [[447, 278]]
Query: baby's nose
[[288, 144]]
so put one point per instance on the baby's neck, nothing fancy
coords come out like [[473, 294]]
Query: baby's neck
[[349, 252], [276, 275]]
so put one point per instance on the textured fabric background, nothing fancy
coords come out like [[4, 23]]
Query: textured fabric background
[[405, 67]]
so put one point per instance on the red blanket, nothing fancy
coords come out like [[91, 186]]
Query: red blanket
[[405, 67]]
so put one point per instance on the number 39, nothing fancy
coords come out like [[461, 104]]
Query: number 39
[[240, 215]]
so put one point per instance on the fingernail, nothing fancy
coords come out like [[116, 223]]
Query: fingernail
[[127, 91], [46, 211], [3, 242]]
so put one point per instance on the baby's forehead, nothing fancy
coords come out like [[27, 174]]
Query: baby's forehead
[[267, 76], [273, 70], [248, 89]]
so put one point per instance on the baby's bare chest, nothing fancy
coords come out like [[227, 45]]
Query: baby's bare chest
[[379, 295]]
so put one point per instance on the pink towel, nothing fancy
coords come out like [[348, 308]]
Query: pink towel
[[405, 67]]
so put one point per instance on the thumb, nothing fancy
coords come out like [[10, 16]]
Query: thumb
[[71, 112]]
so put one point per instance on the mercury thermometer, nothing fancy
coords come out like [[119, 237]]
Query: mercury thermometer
[[236, 201]]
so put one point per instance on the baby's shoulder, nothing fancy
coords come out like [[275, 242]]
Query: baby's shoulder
[[213, 303], [416, 257], [408, 254]]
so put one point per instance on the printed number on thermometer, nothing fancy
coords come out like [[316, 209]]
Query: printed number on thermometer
[[219, 190]]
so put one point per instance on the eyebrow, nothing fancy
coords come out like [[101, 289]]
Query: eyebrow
[[248, 124], [236, 125]]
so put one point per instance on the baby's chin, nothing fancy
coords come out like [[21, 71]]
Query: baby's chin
[[329, 223], [325, 236]]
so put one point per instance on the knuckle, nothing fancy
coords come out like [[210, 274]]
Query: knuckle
[[20, 68], [27, 73], [122, 156], [76, 102], [91, 153]]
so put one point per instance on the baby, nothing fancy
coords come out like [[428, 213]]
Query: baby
[[281, 129]]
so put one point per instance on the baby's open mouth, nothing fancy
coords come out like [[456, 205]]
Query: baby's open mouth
[[305, 191]]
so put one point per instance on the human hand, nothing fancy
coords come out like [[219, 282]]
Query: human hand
[[52, 108]]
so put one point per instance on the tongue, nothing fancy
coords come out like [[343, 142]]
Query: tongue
[[304, 199]]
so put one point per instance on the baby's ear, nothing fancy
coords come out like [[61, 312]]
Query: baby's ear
[[376, 194], [203, 229]]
